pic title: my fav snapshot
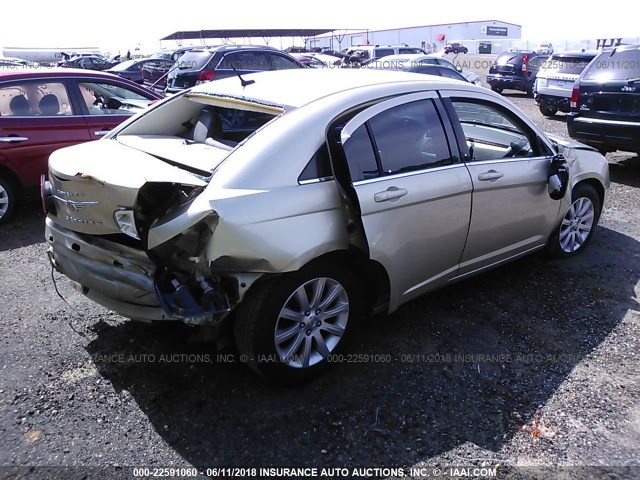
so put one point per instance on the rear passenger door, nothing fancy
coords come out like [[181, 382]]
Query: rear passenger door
[[414, 195]]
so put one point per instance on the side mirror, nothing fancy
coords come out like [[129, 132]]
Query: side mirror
[[459, 68], [558, 177]]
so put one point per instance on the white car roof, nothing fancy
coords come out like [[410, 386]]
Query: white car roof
[[298, 87]]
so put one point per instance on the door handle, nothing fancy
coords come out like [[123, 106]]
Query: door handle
[[99, 133], [391, 194], [490, 175], [13, 139]]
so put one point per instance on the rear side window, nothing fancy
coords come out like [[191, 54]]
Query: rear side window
[[35, 99], [319, 167], [615, 65], [253, 61], [410, 137], [283, 63]]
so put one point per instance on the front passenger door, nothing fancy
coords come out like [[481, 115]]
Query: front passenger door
[[414, 195], [512, 213]]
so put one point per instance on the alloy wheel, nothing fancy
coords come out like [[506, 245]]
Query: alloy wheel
[[577, 225], [311, 323], [4, 201]]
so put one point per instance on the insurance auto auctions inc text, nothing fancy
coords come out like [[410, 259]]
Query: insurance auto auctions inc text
[[362, 472]]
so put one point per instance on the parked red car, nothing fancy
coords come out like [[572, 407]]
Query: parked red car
[[44, 110]]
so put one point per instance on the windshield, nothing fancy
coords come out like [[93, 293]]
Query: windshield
[[615, 65], [566, 64]]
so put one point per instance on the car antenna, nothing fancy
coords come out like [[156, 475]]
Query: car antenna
[[242, 80]]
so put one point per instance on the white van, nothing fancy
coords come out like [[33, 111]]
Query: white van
[[555, 79]]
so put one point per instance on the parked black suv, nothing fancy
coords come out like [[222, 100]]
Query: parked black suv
[[515, 71], [203, 65], [605, 102]]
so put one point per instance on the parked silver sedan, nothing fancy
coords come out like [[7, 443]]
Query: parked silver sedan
[[295, 203]]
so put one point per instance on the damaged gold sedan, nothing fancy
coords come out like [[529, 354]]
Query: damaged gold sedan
[[295, 203]]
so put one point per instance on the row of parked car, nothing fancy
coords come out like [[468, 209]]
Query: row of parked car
[[193, 210], [600, 91], [41, 111]]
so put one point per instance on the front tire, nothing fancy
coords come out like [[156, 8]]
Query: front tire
[[287, 328], [7, 199], [496, 89], [575, 231]]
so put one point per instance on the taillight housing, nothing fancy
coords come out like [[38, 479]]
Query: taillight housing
[[525, 63], [575, 97], [206, 76]]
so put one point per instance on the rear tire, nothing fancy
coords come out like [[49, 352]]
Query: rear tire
[[548, 111], [7, 199], [575, 231], [530, 91], [289, 328]]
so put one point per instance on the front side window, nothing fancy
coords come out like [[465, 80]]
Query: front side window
[[35, 99], [383, 52], [491, 133], [410, 137], [111, 99]]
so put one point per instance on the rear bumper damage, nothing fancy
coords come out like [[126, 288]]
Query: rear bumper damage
[[116, 276], [125, 280]]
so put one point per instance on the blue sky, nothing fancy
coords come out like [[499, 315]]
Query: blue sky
[[122, 24]]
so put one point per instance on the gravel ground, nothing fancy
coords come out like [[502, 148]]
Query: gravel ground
[[532, 364]]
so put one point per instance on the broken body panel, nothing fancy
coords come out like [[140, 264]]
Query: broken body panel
[[197, 244]]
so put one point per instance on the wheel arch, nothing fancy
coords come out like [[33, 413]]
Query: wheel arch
[[9, 174], [596, 184], [372, 275]]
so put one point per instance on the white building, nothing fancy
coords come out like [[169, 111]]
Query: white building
[[477, 36]]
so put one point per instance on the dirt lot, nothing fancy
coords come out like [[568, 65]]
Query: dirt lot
[[533, 364]]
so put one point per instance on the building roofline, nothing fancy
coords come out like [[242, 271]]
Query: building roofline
[[369, 30]]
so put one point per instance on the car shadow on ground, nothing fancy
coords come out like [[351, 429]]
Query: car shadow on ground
[[26, 227], [471, 363], [626, 171], [558, 117], [515, 94]]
